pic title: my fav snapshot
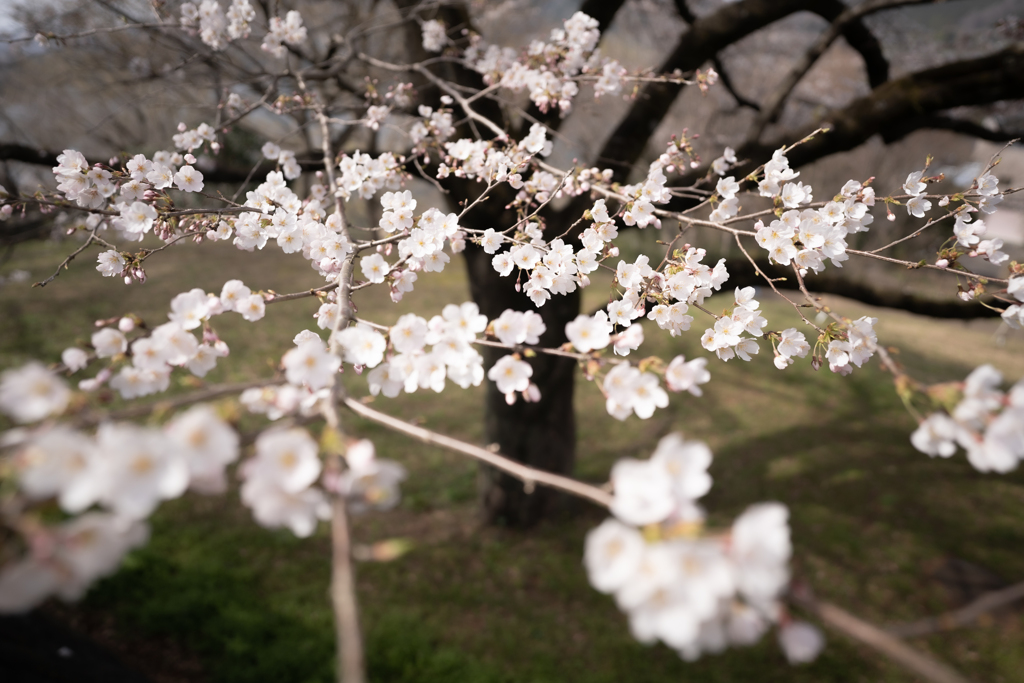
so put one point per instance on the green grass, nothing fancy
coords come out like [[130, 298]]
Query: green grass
[[870, 515]]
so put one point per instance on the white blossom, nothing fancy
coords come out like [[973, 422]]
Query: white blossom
[[32, 392]]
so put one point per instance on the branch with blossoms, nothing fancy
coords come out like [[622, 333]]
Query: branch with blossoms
[[697, 589]]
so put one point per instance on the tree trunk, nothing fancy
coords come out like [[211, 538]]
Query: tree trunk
[[542, 434]]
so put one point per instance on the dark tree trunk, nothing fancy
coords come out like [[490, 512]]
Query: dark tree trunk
[[542, 434]]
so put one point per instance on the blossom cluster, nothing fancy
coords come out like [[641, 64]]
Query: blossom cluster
[[985, 422], [548, 71], [434, 37], [279, 478], [1013, 315], [726, 339], [629, 390], [969, 233], [287, 31], [696, 592], [422, 249], [33, 392], [436, 126], [77, 553], [364, 175], [172, 344], [285, 158], [188, 140], [410, 365], [125, 469], [216, 28], [484, 160], [96, 187], [806, 237], [856, 349]]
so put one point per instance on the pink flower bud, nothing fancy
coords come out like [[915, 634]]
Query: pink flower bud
[[942, 263], [126, 324]]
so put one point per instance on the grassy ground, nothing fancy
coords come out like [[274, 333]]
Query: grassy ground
[[872, 518]]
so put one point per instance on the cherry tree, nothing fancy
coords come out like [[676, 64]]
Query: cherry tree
[[478, 122]]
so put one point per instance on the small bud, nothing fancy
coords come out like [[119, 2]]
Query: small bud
[[126, 324], [942, 263]]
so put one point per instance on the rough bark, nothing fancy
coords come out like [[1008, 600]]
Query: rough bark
[[541, 434]]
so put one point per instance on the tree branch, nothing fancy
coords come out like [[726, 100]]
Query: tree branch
[[913, 98], [939, 122], [959, 618], [604, 12], [860, 39], [877, 639], [773, 106], [705, 37], [528, 475]]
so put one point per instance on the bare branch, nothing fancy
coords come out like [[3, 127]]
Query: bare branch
[[773, 106], [878, 640], [528, 475], [965, 616]]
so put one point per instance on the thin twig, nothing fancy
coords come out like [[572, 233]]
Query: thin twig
[[965, 616], [64, 264]]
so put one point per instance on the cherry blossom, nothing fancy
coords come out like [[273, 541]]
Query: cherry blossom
[[31, 393]]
